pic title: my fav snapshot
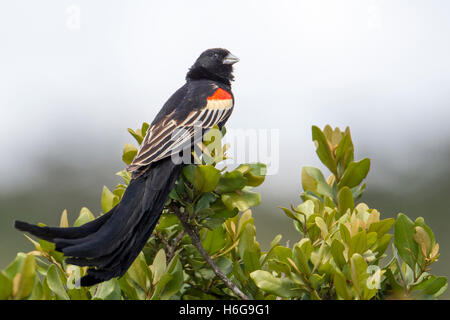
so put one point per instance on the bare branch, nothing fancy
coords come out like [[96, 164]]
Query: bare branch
[[198, 244]]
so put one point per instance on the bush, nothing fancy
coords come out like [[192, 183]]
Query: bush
[[204, 246]]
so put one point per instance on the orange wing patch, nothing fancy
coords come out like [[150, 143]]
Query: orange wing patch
[[220, 100], [220, 94]]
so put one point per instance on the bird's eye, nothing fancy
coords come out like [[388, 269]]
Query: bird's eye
[[216, 55]]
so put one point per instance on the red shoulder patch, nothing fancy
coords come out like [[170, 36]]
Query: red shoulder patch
[[220, 94]]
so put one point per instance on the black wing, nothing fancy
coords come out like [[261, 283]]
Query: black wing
[[172, 133]]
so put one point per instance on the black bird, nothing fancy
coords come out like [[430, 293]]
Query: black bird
[[110, 243]]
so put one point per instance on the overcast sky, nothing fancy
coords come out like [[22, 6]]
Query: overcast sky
[[75, 74]]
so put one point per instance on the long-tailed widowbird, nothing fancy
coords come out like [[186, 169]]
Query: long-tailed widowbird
[[110, 243]]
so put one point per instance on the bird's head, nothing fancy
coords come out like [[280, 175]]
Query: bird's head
[[213, 64]]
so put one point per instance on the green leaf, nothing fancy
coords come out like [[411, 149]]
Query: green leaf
[[15, 266], [245, 218], [159, 266], [251, 261], [340, 283], [242, 200], [421, 223], [276, 240], [175, 269], [382, 227], [204, 202], [139, 271], [206, 178], [432, 285], [301, 255], [78, 294], [165, 279], [119, 191], [24, 281], [248, 248], [358, 243], [360, 278], [382, 244], [284, 287], [188, 173], [404, 240], [282, 253], [129, 152], [423, 240], [344, 151], [224, 264], [307, 208], [109, 200], [166, 221], [345, 201], [345, 234], [64, 222], [313, 180], [290, 214], [358, 191], [337, 251], [46, 292], [316, 280], [49, 248], [371, 239], [108, 290], [126, 176], [6, 286], [213, 240], [84, 217], [137, 135], [129, 291], [355, 173], [231, 181], [219, 214], [320, 223], [55, 284], [255, 173], [37, 292], [358, 273], [323, 149], [275, 265], [144, 128], [35, 243]]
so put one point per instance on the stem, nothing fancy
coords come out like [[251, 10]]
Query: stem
[[315, 295], [198, 244], [170, 248]]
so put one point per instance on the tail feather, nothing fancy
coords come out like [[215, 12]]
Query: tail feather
[[118, 263], [110, 243], [109, 236], [140, 195], [105, 261], [51, 233]]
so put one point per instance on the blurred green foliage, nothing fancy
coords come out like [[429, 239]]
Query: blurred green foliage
[[341, 254]]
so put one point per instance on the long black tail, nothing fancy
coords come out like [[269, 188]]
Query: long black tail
[[110, 243]]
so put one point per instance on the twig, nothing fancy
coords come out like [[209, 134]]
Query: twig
[[174, 245], [198, 244], [170, 248]]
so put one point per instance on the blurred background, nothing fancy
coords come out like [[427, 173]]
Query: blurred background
[[75, 74]]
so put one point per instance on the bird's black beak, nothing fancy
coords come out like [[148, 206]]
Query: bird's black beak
[[230, 59]]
